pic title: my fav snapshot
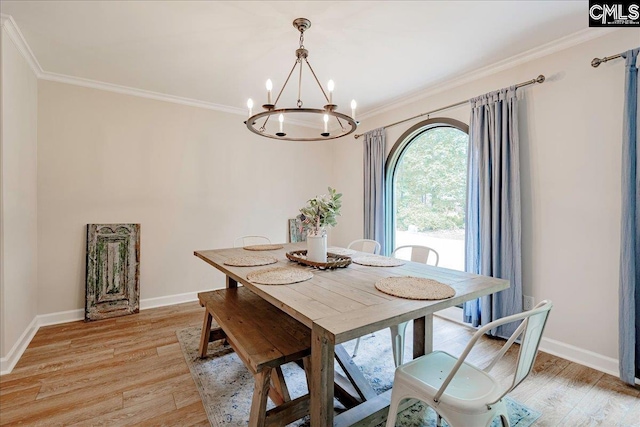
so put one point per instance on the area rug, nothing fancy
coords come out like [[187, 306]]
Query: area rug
[[226, 387]]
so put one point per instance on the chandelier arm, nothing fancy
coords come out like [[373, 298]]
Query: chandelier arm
[[300, 86], [286, 81], [317, 81], [264, 125]]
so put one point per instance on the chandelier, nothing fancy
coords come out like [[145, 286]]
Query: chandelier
[[342, 124]]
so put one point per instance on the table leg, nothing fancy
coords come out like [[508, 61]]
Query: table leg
[[231, 283], [422, 335], [322, 371]]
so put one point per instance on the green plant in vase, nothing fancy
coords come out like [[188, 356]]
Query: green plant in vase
[[320, 213]]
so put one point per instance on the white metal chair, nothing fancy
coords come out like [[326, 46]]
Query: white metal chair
[[250, 240], [365, 245], [461, 393], [417, 253]]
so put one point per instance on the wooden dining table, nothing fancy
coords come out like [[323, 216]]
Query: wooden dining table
[[342, 304]]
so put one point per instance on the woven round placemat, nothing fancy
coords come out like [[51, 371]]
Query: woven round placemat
[[415, 288], [378, 261], [340, 251], [250, 260], [263, 247], [279, 276]]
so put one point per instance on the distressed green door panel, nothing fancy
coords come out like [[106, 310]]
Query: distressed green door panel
[[113, 265]]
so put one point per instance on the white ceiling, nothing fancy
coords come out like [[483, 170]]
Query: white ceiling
[[222, 52]]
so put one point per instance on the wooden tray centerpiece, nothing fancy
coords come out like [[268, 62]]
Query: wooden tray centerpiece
[[333, 260]]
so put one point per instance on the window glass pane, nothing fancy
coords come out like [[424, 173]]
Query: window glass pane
[[429, 191]]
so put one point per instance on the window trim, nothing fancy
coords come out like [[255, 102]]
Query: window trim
[[394, 157]]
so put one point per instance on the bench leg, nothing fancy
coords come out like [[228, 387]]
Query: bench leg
[[206, 331], [279, 393], [259, 402]]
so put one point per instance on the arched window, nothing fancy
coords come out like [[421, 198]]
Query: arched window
[[426, 175]]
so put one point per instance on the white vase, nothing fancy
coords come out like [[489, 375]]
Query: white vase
[[317, 248]]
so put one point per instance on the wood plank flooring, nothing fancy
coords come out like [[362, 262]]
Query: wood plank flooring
[[131, 371]]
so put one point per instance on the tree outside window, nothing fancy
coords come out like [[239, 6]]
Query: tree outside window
[[429, 191]]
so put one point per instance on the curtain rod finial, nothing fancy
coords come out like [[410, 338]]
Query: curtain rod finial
[[540, 79], [596, 62]]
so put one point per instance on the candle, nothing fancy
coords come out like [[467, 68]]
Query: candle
[[331, 86], [269, 87], [250, 106], [325, 118], [353, 109], [281, 120]]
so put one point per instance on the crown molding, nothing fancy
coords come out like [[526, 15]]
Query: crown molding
[[141, 93], [15, 35], [554, 46], [557, 45]]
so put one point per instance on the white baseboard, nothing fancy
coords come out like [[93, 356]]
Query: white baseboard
[[148, 303], [575, 354], [60, 317], [588, 358], [605, 364], [453, 314], [7, 363]]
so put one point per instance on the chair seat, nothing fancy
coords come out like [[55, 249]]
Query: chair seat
[[470, 388], [467, 396]]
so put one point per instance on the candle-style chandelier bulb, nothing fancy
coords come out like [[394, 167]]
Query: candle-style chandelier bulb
[[281, 122], [269, 87], [325, 119], [331, 86], [250, 106]]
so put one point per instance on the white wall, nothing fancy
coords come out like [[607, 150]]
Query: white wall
[[196, 179], [571, 129], [193, 178], [18, 200]]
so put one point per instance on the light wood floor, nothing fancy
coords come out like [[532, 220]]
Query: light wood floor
[[130, 371]]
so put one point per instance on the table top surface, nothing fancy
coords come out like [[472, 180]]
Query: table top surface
[[344, 301]]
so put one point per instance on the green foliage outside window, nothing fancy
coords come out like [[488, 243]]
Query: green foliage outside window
[[430, 181]]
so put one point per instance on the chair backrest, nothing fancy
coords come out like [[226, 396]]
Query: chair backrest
[[417, 253], [530, 329], [250, 240], [365, 245], [530, 341]]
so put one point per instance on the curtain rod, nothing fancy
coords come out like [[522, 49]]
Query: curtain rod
[[538, 79], [598, 61]]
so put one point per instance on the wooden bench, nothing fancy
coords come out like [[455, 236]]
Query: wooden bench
[[265, 338]]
